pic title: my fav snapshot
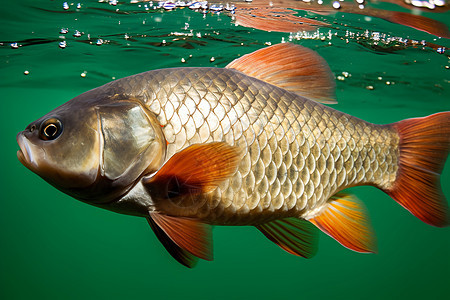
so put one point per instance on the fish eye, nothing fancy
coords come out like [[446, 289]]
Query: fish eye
[[50, 129]]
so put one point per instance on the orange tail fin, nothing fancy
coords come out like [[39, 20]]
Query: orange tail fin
[[424, 147]]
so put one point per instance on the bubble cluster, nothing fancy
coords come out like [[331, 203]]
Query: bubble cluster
[[202, 6], [374, 40], [430, 4]]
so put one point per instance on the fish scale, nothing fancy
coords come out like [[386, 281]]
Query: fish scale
[[295, 153]]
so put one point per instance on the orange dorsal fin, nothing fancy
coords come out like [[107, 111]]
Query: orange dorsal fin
[[344, 219], [182, 256], [293, 235], [188, 234], [292, 67], [424, 147], [197, 169]]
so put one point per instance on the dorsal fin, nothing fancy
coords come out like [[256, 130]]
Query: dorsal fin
[[295, 236], [292, 67], [345, 220]]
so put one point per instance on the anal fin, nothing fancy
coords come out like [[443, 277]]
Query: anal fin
[[295, 236], [345, 220]]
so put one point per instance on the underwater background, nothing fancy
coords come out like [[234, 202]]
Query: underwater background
[[55, 247]]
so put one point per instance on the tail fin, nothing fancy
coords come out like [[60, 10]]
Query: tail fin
[[424, 147]]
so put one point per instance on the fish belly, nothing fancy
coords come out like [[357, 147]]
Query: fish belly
[[295, 153]]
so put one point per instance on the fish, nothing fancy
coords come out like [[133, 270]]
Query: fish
[[253, 144]]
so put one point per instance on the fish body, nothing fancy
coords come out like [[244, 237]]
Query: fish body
[[294, 153], [192, 147]]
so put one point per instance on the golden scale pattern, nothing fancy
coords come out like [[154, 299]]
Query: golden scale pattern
[[296, 152]]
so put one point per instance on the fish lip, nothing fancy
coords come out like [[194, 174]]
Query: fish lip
[[24, 154], [21, 156]]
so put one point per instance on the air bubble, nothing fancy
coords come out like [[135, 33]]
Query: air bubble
[[169, 5], [216, 7], [195, 5]]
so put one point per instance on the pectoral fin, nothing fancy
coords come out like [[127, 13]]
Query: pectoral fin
[[194, 170], [187, 174], [296, 236], [190, 236], [182, 256], [344, 219]]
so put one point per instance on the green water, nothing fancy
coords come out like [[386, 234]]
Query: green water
[[54, 247]]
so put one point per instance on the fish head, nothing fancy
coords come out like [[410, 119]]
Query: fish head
[[93, 150]]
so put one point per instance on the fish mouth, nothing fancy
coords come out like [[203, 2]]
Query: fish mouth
[[21, 156], [25, 154]]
